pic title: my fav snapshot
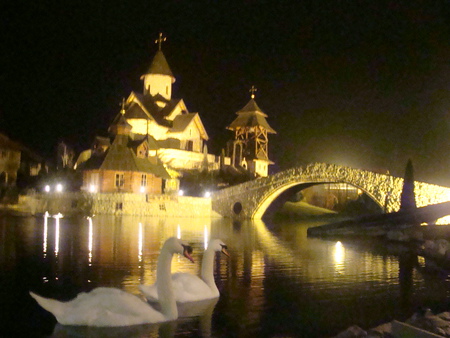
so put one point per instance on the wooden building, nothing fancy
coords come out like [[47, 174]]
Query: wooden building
[[249, 149], [124, 166]]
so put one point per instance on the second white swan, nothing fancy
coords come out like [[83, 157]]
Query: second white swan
[[188, 287]]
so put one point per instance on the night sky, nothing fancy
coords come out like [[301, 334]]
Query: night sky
[[358, 83]]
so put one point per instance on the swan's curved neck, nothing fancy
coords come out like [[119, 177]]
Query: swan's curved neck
[[207, 272], [164, 286]]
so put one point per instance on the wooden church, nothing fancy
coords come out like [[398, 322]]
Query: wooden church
[[178, 136], [154, 139]]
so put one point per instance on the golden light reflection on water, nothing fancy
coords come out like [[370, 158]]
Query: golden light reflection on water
[[135, 243], [44, 244], [140, 243], [90, 240], [266, 261], [130, 246], [339, 256], [57, 218]]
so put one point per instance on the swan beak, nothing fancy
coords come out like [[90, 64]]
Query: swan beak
[[224, 251], [187, 250]]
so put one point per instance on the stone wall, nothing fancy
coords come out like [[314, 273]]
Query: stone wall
[[116, 204]]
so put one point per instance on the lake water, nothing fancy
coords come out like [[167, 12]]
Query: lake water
[[277, 282]]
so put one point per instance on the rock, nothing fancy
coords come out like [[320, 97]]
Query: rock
[[383, 330], [426, 320], [353, 331]]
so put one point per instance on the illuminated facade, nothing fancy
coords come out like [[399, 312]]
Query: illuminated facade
[[179, 136]]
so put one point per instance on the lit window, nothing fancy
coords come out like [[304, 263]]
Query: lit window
[[120, 180]]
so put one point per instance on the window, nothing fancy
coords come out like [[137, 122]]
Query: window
[[167, 90], [143, 180], [120, 180], [190, 145], [119, 206]]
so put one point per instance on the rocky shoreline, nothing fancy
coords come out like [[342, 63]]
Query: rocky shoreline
[[421, 324], [433, 244]]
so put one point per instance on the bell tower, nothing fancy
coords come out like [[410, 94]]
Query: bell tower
[[159, 78], [250, 145]]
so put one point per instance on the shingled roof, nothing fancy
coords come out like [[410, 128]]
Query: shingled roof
[[160, 66], [251, 116], [121, 157]]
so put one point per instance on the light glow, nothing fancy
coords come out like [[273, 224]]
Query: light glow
[[47, 188], [142, 189], [92, 188], [207, 194], [180, 192], [59, 187]]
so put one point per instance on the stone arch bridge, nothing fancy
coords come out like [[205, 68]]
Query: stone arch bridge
[[251, 199]]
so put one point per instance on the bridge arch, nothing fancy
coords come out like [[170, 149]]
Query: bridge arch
[[250, 200]]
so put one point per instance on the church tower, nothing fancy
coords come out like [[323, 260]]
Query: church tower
[[250, 144], [159, 77]]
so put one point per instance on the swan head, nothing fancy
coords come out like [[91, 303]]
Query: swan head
[[219, 246], [176, 245]]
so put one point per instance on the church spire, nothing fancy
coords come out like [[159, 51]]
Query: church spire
[[122, 110], [159, 78]]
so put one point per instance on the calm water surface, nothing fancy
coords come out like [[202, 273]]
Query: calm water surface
[[277, 282]]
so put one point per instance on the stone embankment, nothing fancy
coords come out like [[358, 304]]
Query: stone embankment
[[71, 204], [422, 324]]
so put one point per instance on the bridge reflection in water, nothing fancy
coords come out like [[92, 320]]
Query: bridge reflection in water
[[276, 282]]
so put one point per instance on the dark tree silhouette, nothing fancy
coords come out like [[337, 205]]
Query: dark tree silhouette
[[407, 198]]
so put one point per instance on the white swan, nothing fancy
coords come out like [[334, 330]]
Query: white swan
[[188, 287], [105, 306]]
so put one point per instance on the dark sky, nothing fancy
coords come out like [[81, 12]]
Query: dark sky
[[358, 83]]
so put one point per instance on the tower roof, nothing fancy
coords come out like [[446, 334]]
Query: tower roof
[[251, 106], [160, 66], [251, 116]]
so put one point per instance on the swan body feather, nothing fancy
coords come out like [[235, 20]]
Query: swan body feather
[[188, 287]]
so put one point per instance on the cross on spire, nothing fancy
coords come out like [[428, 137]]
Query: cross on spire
[[253, 90], [160, 40], [122, 111]]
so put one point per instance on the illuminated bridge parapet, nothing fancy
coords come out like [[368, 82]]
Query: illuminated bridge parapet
[[250, 200]]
